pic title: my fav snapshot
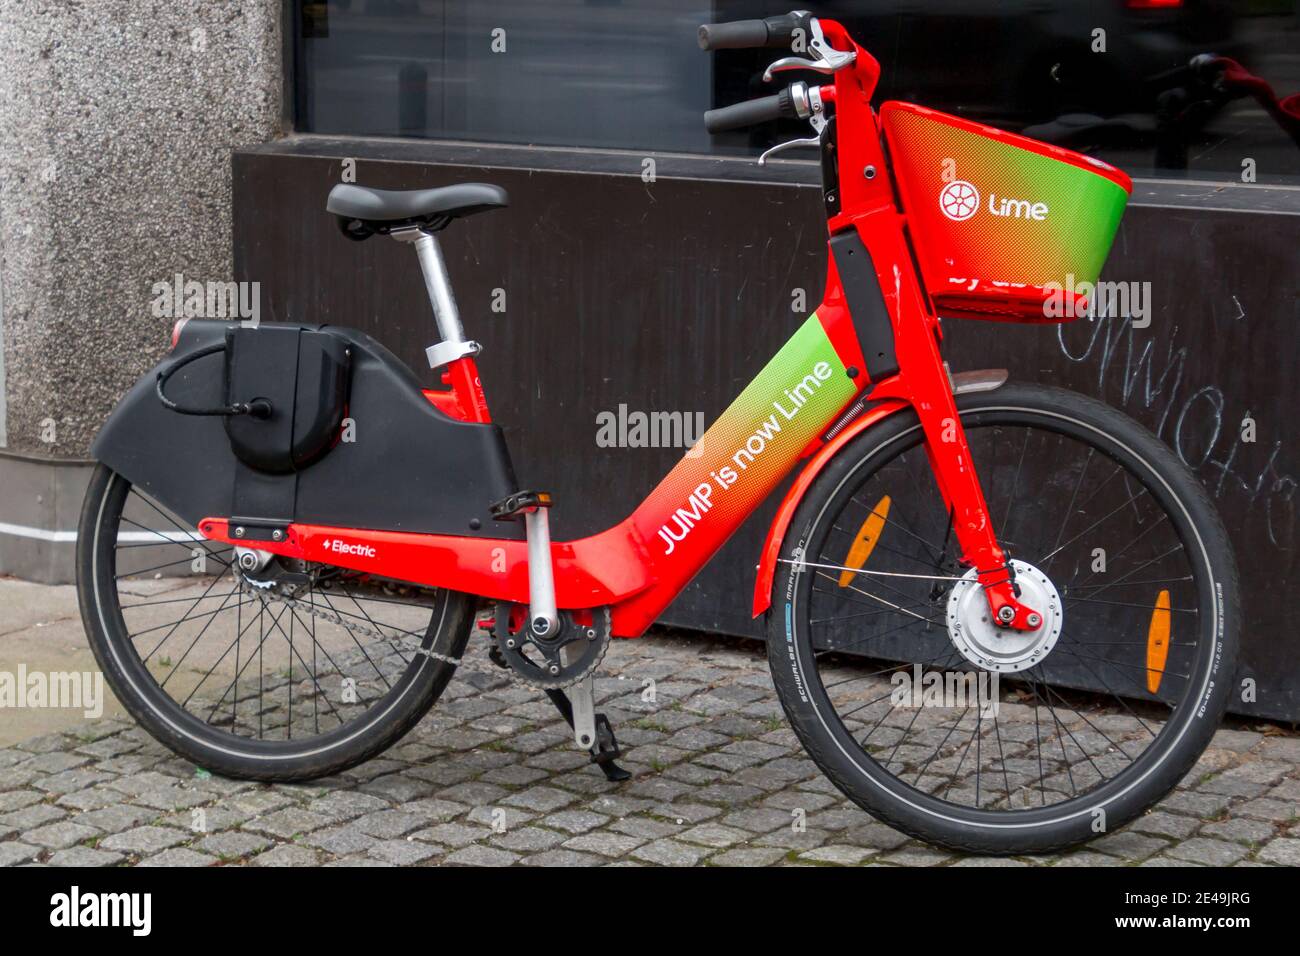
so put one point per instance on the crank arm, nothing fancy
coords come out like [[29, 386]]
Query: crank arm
[[543, 617], [583, 701], [604, 749]]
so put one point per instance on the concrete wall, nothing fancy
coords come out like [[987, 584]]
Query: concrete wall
[[117, 118]]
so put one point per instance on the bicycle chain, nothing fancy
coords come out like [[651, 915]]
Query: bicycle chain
[[259, 589]]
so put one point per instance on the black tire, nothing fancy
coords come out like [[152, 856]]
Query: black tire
[[997, 826], [370, 727]]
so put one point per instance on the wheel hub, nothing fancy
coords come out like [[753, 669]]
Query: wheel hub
[[980, 640]]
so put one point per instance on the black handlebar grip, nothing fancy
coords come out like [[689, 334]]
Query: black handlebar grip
[[733, 36], [746, 34], [749, 113]]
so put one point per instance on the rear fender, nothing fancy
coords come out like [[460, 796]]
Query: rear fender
[[183, 462], [963, 382], [411, 468]]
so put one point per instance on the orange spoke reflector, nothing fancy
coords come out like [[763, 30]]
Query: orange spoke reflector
[[865, 542], [1158, 642]]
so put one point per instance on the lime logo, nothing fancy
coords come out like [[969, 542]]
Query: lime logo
[[1018, 208], [959, 200]]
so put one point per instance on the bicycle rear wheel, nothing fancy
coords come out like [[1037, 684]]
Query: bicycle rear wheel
[[974, 738], [284, 672]]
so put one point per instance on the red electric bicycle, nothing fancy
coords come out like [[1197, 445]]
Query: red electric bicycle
[[1001, 617]]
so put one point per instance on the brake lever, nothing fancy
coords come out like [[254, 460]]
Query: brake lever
[[811, 141], [829, 59], [807, 103], [796, 63]]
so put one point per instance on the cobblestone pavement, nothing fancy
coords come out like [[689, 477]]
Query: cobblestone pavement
[[490, 777]]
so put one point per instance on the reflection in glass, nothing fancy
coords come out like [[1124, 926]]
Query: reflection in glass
[[1115, 78]]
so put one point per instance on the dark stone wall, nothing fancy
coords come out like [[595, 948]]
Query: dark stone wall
[[671, 295]]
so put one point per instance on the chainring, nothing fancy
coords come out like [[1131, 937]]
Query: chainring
[[571, 656]]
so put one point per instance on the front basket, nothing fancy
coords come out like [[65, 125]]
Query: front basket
[[1004, 227]]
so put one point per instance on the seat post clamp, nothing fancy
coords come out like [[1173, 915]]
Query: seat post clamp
[[444, 353]]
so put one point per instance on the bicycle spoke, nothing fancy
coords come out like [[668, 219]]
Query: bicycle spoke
[[891, 523], [164, 540], [234, 645], [1069, 509], [1002, 756], [1095, 524], [1015, 483], [1117, 698], [185, 616], [358, 643], [229, 672], [921, 773], [874, 597], [197, 637]]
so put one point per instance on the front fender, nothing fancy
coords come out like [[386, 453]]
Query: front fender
[[963, 382]]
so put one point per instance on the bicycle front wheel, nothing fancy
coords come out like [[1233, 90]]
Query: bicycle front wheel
[[984, 740]]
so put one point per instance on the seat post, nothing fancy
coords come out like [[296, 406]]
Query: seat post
[[453, 344]]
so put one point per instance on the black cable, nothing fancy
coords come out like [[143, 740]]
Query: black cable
[[258, 407]]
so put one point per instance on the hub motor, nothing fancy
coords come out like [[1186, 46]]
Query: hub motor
[[983, 642]]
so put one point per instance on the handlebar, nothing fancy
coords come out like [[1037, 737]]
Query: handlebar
[[750, 112], [746, 34], [797, 101]]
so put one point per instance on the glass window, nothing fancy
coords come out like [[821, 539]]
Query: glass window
[[1108, 77]]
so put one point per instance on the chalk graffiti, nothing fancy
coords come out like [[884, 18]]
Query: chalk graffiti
[[1198, 422]]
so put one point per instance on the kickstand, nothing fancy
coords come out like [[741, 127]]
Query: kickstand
[[606, 748]]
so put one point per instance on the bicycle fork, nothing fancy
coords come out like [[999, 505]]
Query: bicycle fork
[[923, 382], [950, 460]]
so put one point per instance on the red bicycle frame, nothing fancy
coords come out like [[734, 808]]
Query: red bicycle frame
[[640, 565]]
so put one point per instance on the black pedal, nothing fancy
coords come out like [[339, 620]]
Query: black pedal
[[519, 504]]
